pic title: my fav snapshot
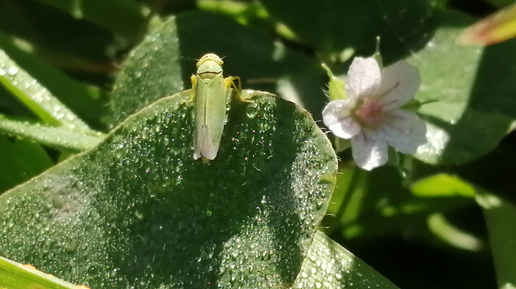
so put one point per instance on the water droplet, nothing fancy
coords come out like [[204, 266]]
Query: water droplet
[[12, 70], [138, 215], [71, 246], [252, 111]]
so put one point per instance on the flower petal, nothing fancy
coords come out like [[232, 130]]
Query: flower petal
[[369, 151], [364, 77], [337, 117], [400, 83], [404, 131]]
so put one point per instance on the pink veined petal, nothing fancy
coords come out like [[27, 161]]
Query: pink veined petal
[[404, 131], [336, 116], [364, 77], [369, 152], [400, 83]]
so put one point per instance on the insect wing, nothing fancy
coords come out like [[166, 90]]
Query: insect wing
[[210, 115]]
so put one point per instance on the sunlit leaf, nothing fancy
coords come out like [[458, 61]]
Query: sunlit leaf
[[17, 276]]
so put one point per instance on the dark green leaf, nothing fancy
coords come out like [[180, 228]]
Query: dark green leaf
[[180, 41], [332, 26], [69, 43], [367, 205], [21, 160], [125, 17], [140, 211], [500, 216]]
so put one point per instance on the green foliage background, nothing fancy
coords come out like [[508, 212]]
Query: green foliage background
[[84, 77]]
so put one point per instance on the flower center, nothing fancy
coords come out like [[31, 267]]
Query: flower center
[[369, 112]]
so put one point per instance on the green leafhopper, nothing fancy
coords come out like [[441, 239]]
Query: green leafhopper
[[210, 92]]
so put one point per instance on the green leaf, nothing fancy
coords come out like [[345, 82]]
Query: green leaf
[[501, 3], [261, 63], [367, 205], [329, 265], [35, 96], [471, 88], [61, 137], [500, 216], [139, 211], [125, 17], [335, 25], [78, 97], [17, 276], [21, 160], [442, 185], [454, 236]]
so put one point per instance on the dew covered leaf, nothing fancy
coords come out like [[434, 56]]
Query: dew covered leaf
[[74, 96], [59, 137], [18, 276], [329, 265], [35, 89], [35, 96], [139, 211]]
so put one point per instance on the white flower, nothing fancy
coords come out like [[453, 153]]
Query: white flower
[[371, 115]]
